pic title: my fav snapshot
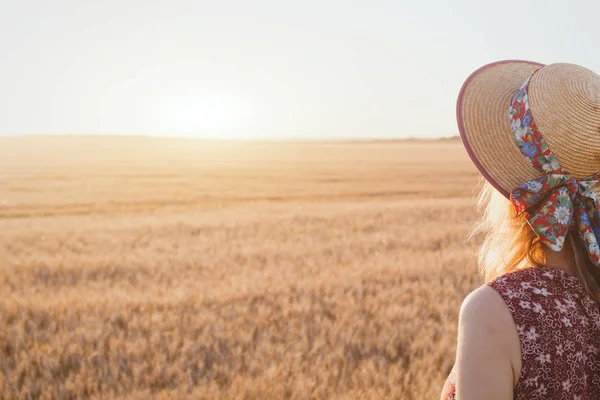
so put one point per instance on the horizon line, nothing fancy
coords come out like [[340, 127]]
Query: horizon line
[[233, 139]]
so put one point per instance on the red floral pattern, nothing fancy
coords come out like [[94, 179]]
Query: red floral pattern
[[559, 331], [552, 200]]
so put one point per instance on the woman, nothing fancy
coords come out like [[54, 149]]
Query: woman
[[533, 330]]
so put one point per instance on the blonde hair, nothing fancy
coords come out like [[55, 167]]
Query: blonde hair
[[509, 243]]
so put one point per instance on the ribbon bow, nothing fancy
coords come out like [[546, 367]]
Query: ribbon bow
[[553, 200]]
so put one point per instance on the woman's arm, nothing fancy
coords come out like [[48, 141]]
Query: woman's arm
[[488, 359]]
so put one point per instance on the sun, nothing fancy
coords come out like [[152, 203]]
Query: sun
[[210, 115]]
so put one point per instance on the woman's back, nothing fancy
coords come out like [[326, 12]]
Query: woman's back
[[558, 324]]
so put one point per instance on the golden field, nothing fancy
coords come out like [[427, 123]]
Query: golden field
[[172, 268]]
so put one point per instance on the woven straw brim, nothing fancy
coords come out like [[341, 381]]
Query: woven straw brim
[[562, 99], [484, 125]]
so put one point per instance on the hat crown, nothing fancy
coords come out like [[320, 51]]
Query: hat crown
[[565, 104]]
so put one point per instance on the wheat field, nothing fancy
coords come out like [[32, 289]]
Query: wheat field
[[172, 268]]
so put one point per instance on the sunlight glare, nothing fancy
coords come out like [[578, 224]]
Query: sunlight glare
[[210, 115]]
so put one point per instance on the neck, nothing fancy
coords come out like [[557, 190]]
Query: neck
[[564, 259]]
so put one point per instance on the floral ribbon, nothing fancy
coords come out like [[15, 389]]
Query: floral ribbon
[[553, 200]]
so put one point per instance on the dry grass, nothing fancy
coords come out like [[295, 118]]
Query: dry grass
[[137, 268]]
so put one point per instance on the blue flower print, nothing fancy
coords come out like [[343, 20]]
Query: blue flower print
[[585, 218], [526, 120], [597, 234], [529, 149]]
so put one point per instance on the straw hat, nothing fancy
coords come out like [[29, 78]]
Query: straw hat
[[564, 100]]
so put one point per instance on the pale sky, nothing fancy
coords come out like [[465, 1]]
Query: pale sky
[[311, 69]]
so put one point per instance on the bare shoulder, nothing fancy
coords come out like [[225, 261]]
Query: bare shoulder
[[488, 352], [485, 307], [486, 320]]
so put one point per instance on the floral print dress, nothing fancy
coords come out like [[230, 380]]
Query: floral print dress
[[559, 329]]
